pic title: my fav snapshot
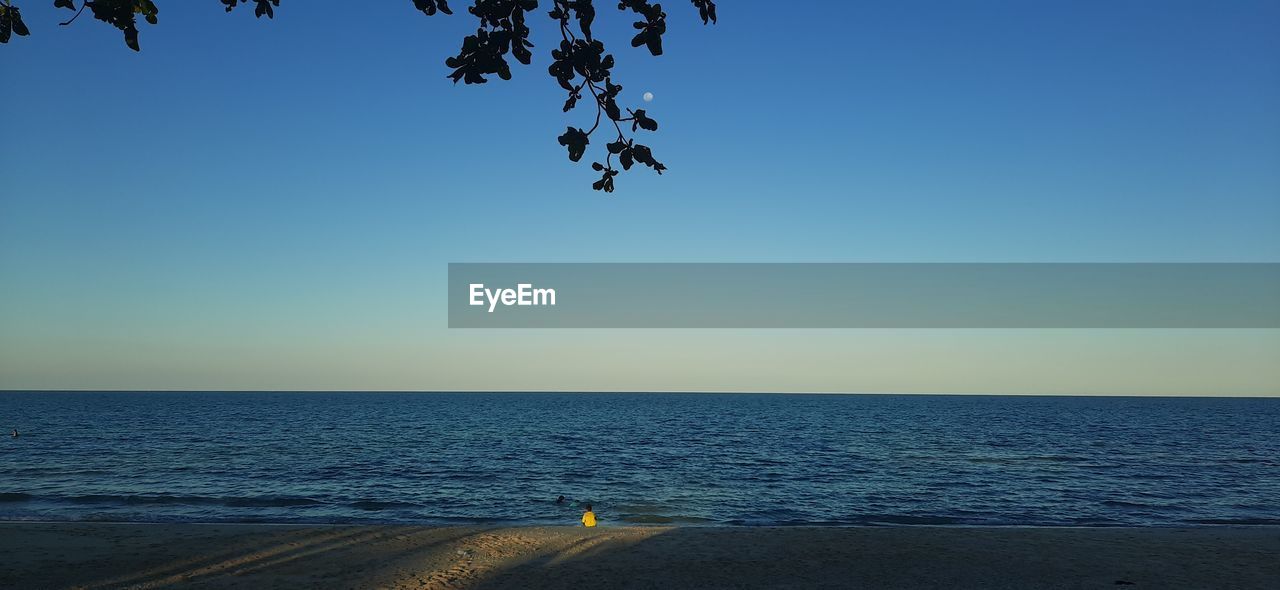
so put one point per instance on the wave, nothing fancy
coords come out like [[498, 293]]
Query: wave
[[379, 505], [912, 520], [233, 501], [662, 519], [1136, 504], [1235, 521], [14, 497], [1029, 458], [272, 501]]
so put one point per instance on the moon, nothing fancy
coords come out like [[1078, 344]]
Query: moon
[[648, 97]]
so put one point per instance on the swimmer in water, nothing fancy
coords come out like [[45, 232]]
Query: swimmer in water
[[560, 500], [15, 433], [588, 517]]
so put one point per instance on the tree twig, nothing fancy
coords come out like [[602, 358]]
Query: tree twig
[[83, 5]]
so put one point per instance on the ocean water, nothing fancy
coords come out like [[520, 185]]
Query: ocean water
[[640, 458]]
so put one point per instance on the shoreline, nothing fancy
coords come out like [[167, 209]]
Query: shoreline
[[221, 555], [643, 525]]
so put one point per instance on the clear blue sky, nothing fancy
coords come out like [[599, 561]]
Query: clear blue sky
[[271, 204]]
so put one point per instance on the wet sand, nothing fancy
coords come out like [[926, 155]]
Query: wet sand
[[102, 555]]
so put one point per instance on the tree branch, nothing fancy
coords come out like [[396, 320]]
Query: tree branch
[[83, 6]]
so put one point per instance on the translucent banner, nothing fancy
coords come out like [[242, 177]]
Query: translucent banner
[[864, 295]]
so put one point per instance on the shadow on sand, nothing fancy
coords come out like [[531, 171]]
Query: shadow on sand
[[900, 557], [492, 558]]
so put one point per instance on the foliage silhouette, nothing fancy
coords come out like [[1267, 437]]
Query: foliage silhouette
[[579, 62]]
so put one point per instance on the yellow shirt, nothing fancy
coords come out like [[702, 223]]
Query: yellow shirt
[[588, 518]]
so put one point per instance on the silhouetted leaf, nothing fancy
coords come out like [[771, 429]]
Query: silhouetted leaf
[[639, 119], [576, 140], [264, 7], [583, 10], [651, 28], [19, 27], [121, 15], [572, 101], [606, 180], [11, 23], [644, 156], [502, 30], [429, 7], [579, 63], [706, 10], [654, 42]]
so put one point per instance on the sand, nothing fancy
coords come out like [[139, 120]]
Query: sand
[[102, 555]]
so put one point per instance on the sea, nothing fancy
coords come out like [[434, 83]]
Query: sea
[[644, 458]]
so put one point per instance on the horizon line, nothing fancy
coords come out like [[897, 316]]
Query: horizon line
[[643, 391]]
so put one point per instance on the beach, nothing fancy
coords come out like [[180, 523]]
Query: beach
[[133, 555]]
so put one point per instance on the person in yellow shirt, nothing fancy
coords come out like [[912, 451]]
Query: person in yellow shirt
[[588, 517]]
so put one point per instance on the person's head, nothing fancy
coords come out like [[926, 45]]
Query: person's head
[[588, 508], [560, 499]]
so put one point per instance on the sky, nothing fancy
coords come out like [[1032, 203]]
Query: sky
[[271, 204]]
